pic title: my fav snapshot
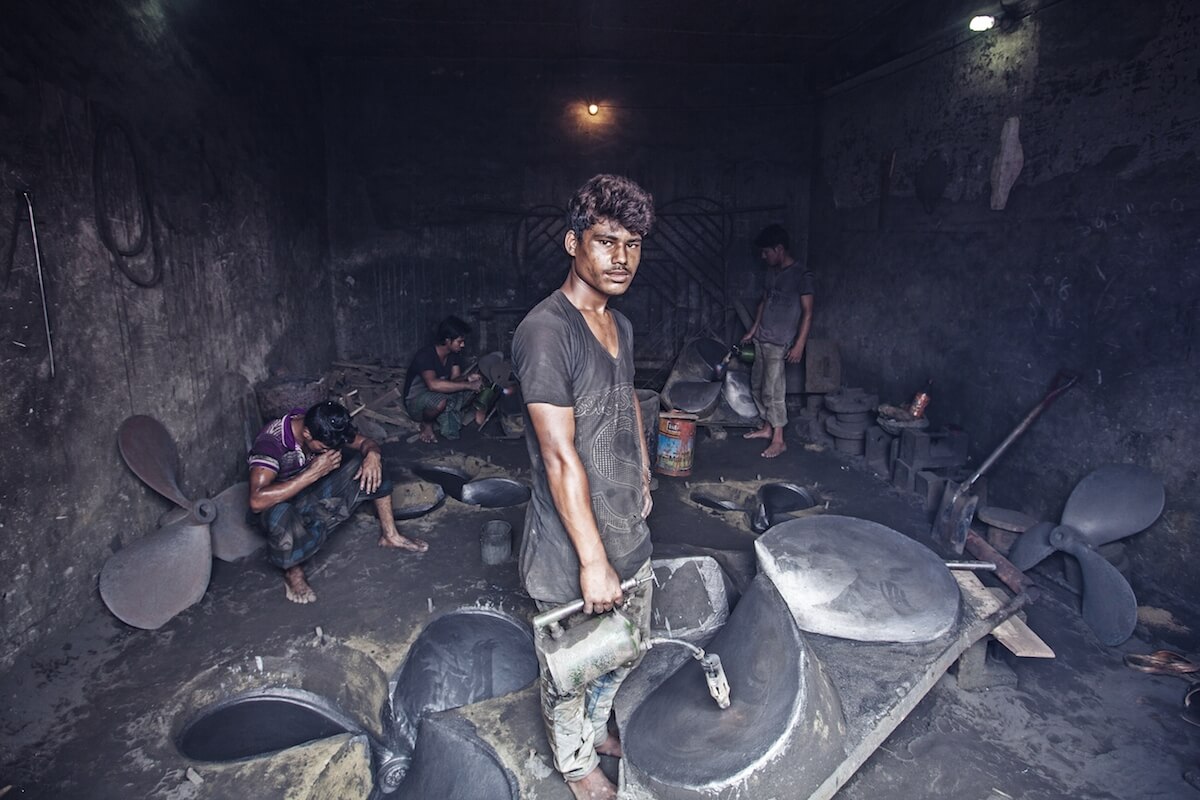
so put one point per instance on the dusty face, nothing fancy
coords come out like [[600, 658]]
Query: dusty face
[[772, 256], [312, 445], [457, 345], [606, 256]]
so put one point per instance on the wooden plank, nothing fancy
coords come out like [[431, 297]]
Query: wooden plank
[[1013, 633], [375, 415], [1021, 640]]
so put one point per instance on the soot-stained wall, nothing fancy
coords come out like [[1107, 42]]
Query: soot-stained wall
[[209, 179], [432, 165], [1094, 265]]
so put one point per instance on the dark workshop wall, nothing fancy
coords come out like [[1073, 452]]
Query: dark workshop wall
[[1094, 264], [433, 164], [210, 179]]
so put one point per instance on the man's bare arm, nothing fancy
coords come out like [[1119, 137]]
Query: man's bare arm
[[796, 351], [555, 430], [762, 304], [370, 474], [455, 383], [647, 499], [265, 491]]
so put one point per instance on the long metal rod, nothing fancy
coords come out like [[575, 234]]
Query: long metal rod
[[37, 257], [1062, 381]]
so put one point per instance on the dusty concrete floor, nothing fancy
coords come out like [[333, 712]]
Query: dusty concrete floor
[[92, 713]]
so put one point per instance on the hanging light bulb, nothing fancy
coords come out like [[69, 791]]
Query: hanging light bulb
[[593, 109], [983, 22]]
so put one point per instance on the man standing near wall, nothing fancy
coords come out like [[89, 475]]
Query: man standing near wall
[[779, 332], [302, 487], [585, 528]]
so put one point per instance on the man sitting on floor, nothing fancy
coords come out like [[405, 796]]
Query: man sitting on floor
[[435, 388], [302, 487]]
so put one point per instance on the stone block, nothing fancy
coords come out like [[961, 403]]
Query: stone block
[[977, 670], [934, 449], [903, 475], [878, 447], [928, 486]]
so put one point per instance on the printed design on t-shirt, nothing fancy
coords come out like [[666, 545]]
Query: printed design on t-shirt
[[615, 457], [616, 399], [612, 526], [615, 453]]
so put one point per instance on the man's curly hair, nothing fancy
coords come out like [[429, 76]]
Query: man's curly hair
[[615, 198]]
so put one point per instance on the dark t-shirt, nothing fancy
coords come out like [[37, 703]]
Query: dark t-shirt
[[781, 315], [427, 358], [559, 361]]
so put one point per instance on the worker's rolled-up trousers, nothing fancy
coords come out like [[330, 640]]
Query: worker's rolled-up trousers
[[769, 383]]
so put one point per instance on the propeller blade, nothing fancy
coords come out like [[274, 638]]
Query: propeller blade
[[233, 538], [1032, 547], [1109, 605], [149, 581], [149, 451], [1114, 501]]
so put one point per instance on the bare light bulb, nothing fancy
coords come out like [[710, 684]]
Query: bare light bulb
[[593, 109], [983, 22]]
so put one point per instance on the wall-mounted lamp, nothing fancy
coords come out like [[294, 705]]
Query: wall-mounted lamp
[[593, 109], [983, 22]]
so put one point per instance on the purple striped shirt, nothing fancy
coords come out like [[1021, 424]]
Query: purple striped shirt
[[275, 448]]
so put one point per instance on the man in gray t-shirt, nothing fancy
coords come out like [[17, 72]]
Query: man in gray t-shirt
[[780, 331], [585, 528]]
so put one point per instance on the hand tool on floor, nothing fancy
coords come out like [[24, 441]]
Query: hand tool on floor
[[982, 566], [578, 655], [957, 508], [1110, 503]]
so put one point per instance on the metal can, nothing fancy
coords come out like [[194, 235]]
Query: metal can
[[918, 405]]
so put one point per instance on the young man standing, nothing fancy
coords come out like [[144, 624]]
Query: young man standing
[[585, 528], [779, 332], [301, 488]]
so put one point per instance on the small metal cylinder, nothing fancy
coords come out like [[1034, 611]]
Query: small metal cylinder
[[496, 542]]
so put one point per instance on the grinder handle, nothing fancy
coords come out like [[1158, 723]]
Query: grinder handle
[[559, 613]]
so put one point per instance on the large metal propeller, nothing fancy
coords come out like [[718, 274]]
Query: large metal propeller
[[153, 578], [1111, 503]]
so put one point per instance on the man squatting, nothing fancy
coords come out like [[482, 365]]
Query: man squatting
[[780, 332], [302, 487], [585, 527]]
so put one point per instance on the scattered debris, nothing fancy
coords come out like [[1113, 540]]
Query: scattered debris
[[194, 776]]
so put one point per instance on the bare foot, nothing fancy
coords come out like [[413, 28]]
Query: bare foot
[[610, 746], [595, 786], [298, 590], [774, 449], [427, 435], [402, 542], [480, 417], [764, 432]]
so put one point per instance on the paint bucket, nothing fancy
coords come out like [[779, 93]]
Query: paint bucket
[[496, 542], [676, 440]]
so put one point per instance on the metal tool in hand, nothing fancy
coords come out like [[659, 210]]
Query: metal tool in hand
[[584, 652], [559, 613]]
